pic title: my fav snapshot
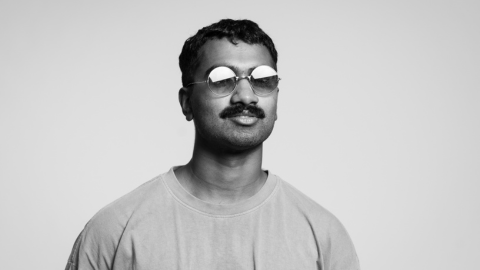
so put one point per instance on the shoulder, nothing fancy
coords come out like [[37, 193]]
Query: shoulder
[[115, 215], [333, 241], [101, 235], [301, 202], [316, 214]]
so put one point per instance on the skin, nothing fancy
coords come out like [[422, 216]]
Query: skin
[[226, 163]]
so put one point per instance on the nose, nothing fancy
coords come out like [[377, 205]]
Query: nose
[[244, 93]]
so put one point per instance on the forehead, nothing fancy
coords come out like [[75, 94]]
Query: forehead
[[241, 56]]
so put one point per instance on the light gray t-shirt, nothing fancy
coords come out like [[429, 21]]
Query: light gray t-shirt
[[160, 225]]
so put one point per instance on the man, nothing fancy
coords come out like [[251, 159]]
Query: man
[[221, 210]]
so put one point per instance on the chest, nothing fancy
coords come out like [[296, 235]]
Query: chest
[[257, 241]]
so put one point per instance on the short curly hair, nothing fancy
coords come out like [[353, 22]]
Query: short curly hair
[[234, 30]]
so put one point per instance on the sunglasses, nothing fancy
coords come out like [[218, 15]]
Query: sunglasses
[[222, 81]]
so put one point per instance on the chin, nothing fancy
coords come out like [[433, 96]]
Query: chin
[[243, 144], [239, 141]]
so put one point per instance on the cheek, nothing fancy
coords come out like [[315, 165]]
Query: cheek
[[270, 108], [205, 109]]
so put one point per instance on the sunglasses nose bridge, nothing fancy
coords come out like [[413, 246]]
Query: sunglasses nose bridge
[[238, 79], [243, 93]]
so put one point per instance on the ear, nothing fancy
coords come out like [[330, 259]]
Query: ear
[[184, 99]]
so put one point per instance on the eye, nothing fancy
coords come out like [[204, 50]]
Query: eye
[[266, 83], [229, 82], [220, 74], [263, 72]]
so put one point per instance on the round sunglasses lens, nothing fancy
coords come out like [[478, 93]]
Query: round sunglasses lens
[[222, 87], [221, 80], [265, 85], [264, 79]]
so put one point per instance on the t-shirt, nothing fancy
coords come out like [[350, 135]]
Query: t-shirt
[[160, 225]]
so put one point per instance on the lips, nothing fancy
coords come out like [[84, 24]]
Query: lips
[[244, 120]]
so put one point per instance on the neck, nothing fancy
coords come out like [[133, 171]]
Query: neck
[[222, 176]]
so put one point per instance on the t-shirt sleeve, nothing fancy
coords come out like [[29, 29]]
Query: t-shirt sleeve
[[73, 258], [96, 245], [91, 252], [338, 252]]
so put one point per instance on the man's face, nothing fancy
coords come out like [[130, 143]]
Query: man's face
[[215, 124]]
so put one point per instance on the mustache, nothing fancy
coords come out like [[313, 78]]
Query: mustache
[[238, 108]]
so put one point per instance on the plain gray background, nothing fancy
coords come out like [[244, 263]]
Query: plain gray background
[[378, 118]]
